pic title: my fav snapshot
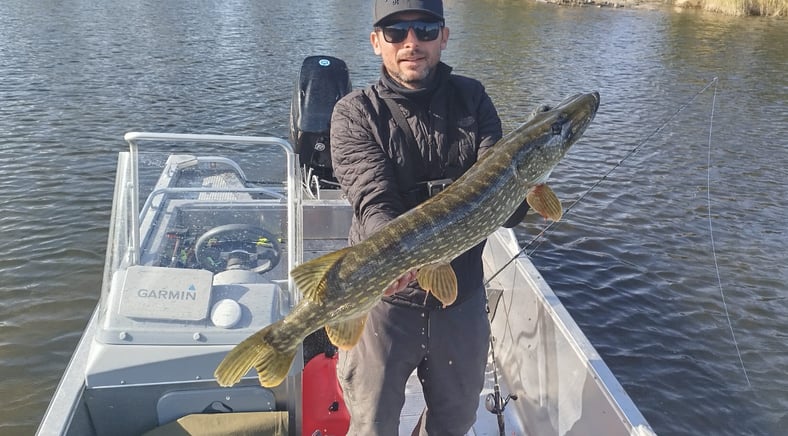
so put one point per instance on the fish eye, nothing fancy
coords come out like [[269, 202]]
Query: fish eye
[[557, 127]]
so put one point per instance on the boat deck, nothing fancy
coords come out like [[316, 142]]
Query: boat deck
[[486, 422]]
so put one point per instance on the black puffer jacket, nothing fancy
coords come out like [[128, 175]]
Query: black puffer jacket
[[382, 174]]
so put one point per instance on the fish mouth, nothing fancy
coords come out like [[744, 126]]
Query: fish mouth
[[587, 103], [595, 96]]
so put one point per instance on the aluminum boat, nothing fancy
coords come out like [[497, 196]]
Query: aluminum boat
[[204, 230]]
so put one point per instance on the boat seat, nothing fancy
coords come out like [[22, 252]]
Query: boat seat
[[226, 180], [236, 423]]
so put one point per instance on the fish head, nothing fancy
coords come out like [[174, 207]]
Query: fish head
[[572, 116], [548, 135]]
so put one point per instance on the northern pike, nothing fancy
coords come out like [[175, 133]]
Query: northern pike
[[341, 287]]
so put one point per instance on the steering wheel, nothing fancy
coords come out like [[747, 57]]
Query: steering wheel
[[237, 244]]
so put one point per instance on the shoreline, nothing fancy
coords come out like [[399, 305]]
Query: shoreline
[[770, 8]]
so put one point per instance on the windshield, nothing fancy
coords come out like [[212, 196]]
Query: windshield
[[218, 218]]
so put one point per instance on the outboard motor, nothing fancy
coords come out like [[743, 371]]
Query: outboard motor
[[323, 80]]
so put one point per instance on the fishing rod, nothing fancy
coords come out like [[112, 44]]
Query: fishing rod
[[495, 402], [621, 161], [604, 177]]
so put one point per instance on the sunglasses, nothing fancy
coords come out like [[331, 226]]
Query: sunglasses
[[425, 31]]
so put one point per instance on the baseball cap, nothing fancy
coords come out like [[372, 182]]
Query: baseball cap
[[386, 8]]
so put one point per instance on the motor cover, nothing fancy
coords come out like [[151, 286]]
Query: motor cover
[[322, 81]]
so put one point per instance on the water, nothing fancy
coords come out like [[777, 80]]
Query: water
[[632, 261]]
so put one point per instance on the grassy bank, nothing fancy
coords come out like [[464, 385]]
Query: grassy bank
[[739, 7], [766, 8]]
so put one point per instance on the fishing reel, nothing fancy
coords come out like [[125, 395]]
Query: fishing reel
[[495, 403]]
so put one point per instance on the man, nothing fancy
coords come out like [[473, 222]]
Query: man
[[394, 144]]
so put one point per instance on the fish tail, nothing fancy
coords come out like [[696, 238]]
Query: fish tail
[[255, 351]]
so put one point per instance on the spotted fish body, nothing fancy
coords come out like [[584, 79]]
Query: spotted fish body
[[341, 287]]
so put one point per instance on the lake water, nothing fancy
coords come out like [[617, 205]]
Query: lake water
[[632, 261]]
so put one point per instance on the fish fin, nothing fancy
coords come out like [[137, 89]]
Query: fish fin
[[440, 280], [543, 200], [310, 277], [271, 364], [345, 334]]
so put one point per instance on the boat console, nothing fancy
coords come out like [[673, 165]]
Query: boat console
[[202, 239], [210, 269], [194, 266]]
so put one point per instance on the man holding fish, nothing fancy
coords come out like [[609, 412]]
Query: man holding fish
[[395, 144], [419, 155]]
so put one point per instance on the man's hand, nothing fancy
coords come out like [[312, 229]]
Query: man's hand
[[401, 282]]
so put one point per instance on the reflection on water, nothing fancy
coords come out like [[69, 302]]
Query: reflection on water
[[632, 261]]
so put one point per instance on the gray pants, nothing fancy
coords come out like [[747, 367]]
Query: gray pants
[[448, 346]]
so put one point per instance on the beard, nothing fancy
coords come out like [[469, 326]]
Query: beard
[[413, 78]]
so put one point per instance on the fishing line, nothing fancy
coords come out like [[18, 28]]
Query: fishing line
[[604, 177], [659, 128], [711, 235], [498, 404], [619, 163]]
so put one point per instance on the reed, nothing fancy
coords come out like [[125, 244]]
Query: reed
[[770, 7], [747, 7]]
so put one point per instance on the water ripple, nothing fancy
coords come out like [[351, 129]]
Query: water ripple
[[631, 261]]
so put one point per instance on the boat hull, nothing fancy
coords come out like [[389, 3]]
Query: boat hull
[[121, 383]]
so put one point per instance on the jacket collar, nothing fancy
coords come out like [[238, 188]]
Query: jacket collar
[[392, 89]]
